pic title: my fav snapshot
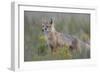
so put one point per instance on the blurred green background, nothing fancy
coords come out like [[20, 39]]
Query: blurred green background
[[35, 47]]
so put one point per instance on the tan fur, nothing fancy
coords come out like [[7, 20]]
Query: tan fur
[[55, 39]]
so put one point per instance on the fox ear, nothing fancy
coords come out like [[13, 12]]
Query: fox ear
[[51, 21]]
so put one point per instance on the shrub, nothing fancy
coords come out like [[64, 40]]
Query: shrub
[[62, 53]]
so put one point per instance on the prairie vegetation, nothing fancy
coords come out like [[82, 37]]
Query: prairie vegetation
[[35, 45]]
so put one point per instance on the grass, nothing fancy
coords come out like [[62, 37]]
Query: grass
[[35, 47], [44, 53]]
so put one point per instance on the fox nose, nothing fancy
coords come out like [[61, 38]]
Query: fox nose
[[42, 30]]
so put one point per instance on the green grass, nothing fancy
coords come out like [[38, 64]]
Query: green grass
[[35, 47]]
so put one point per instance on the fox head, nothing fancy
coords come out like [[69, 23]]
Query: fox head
[[48, 26]]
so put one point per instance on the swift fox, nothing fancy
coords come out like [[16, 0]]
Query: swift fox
[[56, 39]]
